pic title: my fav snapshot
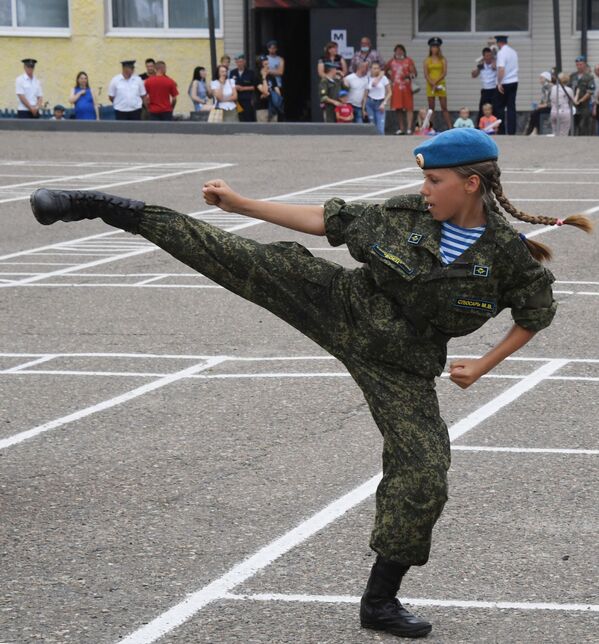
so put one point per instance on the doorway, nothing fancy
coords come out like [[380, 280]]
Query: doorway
[[291, 29]]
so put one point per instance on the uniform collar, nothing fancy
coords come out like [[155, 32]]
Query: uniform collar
[[480, 253]]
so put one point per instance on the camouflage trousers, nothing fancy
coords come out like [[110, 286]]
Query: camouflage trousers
[[343, 312]]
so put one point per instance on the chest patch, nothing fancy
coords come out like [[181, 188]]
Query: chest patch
[[415, 239], [474, 304], [480, 271], [398, 261]]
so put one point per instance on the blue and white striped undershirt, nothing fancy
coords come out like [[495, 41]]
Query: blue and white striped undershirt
[[455, 240]]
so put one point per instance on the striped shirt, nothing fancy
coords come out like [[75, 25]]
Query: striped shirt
[[455, 240]]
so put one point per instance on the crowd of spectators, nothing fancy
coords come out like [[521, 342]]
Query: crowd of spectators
[[363, 88]]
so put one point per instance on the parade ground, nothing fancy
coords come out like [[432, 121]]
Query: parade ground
[[178, 465]]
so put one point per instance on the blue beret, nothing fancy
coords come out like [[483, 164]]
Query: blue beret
[[460, 146]]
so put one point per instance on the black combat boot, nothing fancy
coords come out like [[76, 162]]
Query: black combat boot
[[381, 610], [50, 206]]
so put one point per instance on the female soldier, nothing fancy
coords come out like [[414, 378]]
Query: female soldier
[[436, 266], [435, 71]]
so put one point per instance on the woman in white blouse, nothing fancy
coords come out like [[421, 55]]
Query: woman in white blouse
[[225, 94], [377, 96], [562, 101]]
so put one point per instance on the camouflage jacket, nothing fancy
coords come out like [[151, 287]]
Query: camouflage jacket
[[398, 241], [585, 84]]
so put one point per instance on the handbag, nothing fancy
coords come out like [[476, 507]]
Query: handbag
[[415, 87], [215, 115]]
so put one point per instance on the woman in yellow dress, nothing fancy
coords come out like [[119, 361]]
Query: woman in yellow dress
[[435, 71]]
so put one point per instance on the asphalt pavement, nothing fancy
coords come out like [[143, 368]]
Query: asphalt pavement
[[178, 465]]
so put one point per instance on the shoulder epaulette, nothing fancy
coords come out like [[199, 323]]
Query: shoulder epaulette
[[406, 202]]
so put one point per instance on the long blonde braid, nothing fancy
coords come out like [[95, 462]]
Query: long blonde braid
[[489, 173]]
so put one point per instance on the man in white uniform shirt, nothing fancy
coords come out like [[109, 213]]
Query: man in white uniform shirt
[[29, 92], [127, 93], [487, 72], [507, 86]]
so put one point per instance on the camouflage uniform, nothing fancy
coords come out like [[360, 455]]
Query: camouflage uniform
[[388, 322], [329, 88], [583, 84]]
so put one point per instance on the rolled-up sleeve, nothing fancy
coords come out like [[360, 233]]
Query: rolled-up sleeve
[[531, 297], [347, 223]]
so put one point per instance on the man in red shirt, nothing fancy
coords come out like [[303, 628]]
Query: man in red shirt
[[162, 94]]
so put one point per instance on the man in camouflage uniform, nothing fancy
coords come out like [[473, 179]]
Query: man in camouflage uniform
[[388, 321], [329, 88], [583, 86]]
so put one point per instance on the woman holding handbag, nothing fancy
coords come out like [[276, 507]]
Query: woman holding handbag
[[225, 96], [401, 71]]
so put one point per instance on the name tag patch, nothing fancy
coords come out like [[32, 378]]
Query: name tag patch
[[408, 270], [415, 238], [480, 271], [472, 303]]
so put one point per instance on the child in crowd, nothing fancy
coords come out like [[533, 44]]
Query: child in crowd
[[488, 122], [423, 126], [58, 113], [464, 119], [344, 112]]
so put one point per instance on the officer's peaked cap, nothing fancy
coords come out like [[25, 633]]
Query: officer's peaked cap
[[29, 61], [435, 41], [452, 148]]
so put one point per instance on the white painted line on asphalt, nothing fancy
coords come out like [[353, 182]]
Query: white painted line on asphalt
[[15, 439], [114, 285], [246, 376], [505, 398], [168, 175], [72, 269], [545, 184], [194, 602], [31, 251], [578, 378], [30, 363], [523, 450], [150, 280], [235, 358], [100, 374], [419, 601], [80, 176], [39, 264]]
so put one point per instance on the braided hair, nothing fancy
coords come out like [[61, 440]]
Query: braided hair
[[492, 194]]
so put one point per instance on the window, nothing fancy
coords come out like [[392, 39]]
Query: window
[[463, 16], [34, 14], [162, 15], [592, 14]]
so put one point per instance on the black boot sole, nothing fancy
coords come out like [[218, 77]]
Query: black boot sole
[[413, 633]]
